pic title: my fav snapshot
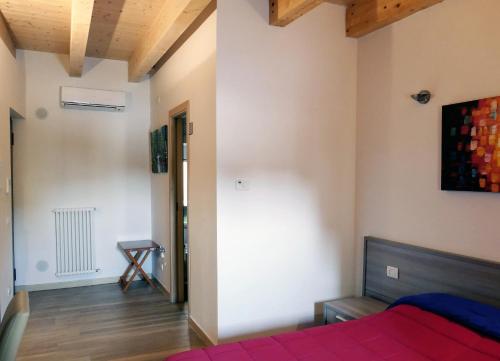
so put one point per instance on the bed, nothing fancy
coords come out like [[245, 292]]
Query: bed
[[444, 307]]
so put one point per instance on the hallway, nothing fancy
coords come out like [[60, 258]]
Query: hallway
[[101, 323]]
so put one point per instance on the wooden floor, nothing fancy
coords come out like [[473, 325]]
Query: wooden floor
[[102, 323]]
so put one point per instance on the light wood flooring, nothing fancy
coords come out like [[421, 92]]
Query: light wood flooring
[[101, 323]]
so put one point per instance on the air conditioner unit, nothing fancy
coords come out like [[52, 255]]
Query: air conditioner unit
[[94, 99]]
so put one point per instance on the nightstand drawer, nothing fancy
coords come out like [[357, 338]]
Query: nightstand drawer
[[351, 308], [331, 316]]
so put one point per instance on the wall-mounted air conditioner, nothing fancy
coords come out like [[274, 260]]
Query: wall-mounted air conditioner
[[93, 99]]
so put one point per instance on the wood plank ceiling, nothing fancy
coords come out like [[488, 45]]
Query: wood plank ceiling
[[118, 26], [39, 25], [117, 29], [362, 16], [146, 32]]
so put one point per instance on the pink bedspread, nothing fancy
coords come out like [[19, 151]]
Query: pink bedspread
[[404, 333]]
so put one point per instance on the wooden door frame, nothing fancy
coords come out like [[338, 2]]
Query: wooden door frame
[[12, 220], [178, 249]]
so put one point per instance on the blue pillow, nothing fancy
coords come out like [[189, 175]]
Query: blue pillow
[[479, 317]]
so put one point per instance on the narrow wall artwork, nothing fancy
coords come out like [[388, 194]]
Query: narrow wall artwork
[[471, 146], [159, 150]]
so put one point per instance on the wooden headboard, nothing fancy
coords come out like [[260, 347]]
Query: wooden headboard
[[423, 270]]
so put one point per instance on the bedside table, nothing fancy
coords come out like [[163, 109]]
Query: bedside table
[[351, 308]]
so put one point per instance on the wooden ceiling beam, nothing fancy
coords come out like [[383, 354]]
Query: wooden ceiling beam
[[340, 2], [366, 16], [6, 36], [174, 18], [283, 12], [81, 17], [195, 25]]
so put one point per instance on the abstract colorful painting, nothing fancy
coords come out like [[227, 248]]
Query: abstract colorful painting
[[471, 146], [159, 146]]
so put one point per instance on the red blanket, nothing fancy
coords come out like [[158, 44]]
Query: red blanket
[[404, 333]]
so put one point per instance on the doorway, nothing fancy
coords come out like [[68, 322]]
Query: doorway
[[179, 121], [15, 118], [11, 186]]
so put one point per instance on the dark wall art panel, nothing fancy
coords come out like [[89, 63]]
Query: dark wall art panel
[[471, 146], [159, 146]]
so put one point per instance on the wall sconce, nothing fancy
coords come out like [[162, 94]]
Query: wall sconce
[[423, 97]]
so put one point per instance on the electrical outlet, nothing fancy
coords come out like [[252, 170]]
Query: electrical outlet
[[393, 272]]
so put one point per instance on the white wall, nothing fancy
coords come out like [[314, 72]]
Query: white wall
[[286, 121], [451, 49], [79, 158], [11, 96], [190, 76]]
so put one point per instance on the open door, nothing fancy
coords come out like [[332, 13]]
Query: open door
[[12, 197], [180, 176], [14, 119]]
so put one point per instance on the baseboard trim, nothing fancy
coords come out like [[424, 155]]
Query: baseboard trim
[[162, 288], [199, 331], [192, 323], [70, 284]]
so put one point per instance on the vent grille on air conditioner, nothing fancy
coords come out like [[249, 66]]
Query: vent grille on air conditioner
[[92, 99]]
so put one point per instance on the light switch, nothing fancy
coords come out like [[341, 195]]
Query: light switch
[[2, 183], [8, 185], [393, 272], [242, 184]]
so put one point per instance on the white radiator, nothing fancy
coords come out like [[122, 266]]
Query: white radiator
[[75, 248]]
